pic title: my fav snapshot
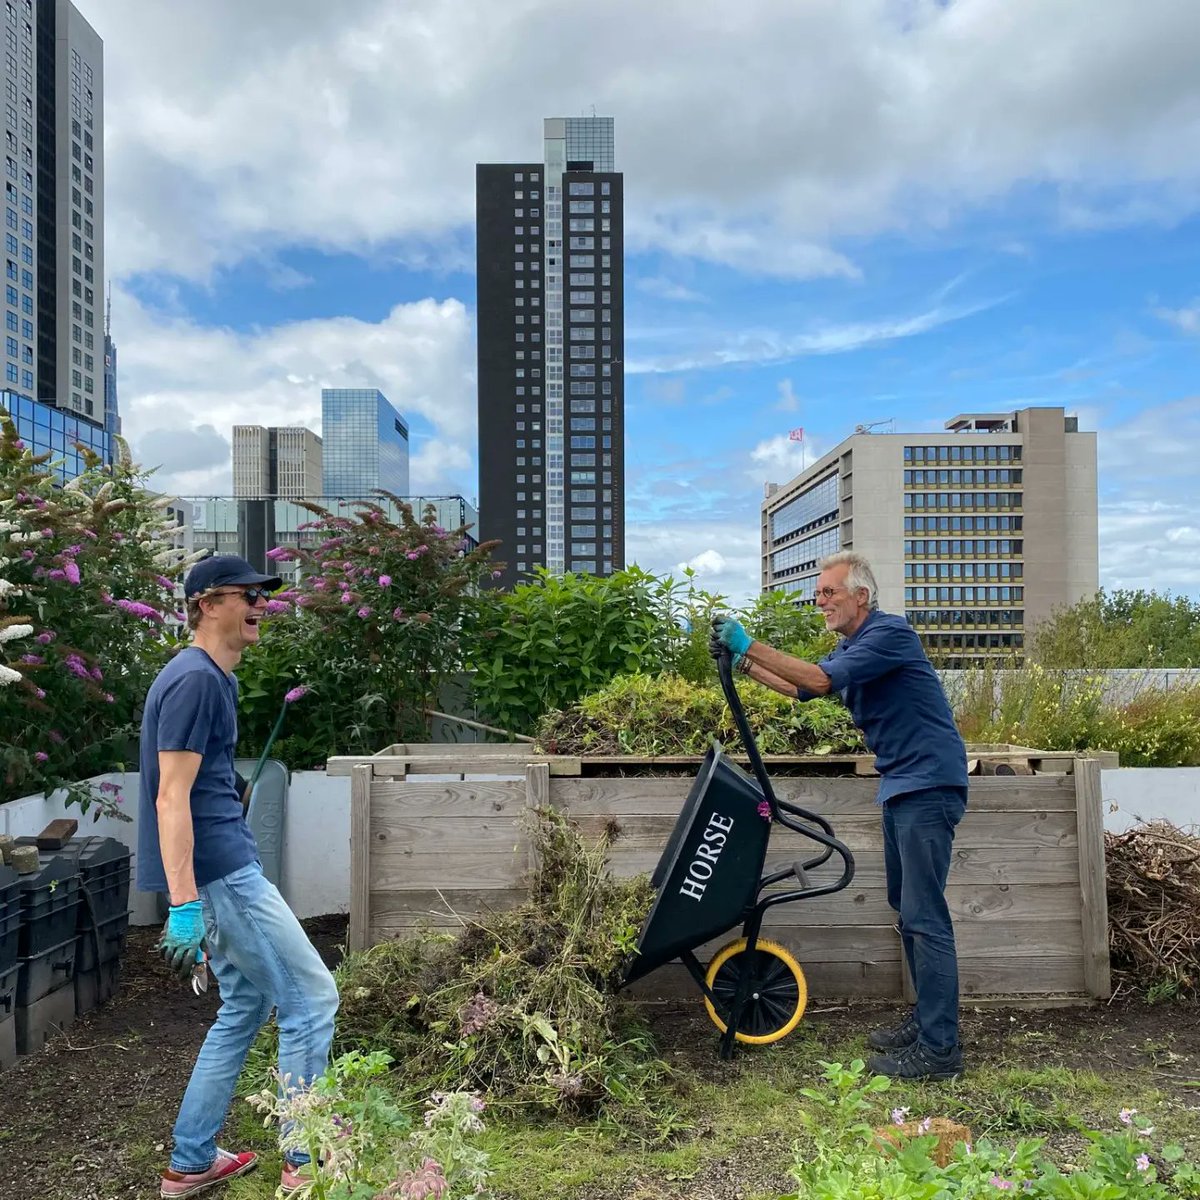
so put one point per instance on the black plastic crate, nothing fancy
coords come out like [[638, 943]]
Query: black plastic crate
[[49, 905], [104, 870], [8, 991], [46, 972], [10, 917], [101, 943]]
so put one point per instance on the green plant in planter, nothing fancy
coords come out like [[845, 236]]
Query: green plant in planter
[[89, 571], [666, 714], [371, 630]]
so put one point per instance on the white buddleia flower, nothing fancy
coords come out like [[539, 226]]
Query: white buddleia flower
[[10, 633]]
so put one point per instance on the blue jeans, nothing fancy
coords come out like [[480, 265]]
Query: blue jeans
[[918, 835], [262, 959]]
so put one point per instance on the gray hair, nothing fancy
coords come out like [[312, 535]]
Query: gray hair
[[860, 574]]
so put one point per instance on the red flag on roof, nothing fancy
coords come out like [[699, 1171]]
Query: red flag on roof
[[797, 435]]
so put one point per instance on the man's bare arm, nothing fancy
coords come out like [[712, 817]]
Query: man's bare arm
[[177, 770], [765, 677], [785, 667]]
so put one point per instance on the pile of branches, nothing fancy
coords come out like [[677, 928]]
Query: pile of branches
[[1154, 908], [521, 1004]]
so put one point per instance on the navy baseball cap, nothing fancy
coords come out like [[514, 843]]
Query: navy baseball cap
[[225, 570]]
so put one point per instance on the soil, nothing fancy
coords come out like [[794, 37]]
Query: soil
[[89, 1118]]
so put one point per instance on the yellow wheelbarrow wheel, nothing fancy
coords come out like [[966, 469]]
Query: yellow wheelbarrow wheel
[[778, 993]]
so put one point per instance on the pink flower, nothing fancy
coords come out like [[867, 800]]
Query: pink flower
[[73, 550], [77, 666], [56, 737], [27, 554], [40, 756], [1126, 1115], [295, 694], [899, 1115], [137, 609], [281, 554], [32, 660], [497, 574], [365, 611], [346, 598], [40, 694], [71, 570], [46, 637], [275, 607], [385, 581], [97, 675], [1143, 1162], [58, 573], [109, 698], [397, 614], [166, 584], [764, 811], [46, 532], [320, 583], [1005, 1185], [412, 555]]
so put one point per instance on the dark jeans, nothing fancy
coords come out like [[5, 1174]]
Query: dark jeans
[[918, 835]]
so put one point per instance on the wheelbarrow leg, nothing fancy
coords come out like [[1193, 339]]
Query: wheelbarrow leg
[[745, 985]]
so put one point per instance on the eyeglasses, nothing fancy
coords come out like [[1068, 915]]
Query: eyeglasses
[[252, 595], [828, 593]]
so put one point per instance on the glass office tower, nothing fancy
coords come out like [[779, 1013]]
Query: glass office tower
[[365, 443]]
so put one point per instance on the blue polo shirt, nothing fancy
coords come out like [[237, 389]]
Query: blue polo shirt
[[192, 705], [896, 699]]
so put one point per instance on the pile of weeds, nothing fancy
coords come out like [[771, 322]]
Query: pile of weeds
[[665, 714], [521, 1005]]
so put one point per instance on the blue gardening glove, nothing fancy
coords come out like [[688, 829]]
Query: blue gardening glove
[[182, 943], [729, 632]]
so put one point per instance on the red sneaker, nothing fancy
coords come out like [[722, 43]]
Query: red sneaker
[[292, 1178], [225, 1166]]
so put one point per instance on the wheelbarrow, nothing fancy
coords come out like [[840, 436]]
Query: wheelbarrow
[[712, 877]]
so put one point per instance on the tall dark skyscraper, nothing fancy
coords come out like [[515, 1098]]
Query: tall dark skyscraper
[[551, 309]]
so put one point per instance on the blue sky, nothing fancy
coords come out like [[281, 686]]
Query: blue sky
[[836, 214]]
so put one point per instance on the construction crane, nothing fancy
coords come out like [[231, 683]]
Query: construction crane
[[888, 426]]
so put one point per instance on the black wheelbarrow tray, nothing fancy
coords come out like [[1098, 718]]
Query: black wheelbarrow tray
[[712, 877]]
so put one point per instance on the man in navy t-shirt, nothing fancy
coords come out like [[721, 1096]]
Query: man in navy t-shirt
[[194, 844], [880, 671]]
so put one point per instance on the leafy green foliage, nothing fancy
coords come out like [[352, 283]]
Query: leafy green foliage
[[846, 1158], [1121, 629], [87, 619], [665, 714], [522, 1005], [549, 642], [373, 629]]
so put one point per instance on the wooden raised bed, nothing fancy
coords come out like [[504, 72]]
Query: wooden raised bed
[[1026, 887]]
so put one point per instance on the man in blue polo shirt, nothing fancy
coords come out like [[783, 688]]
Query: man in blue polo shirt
[[880, 671], [194, 843]]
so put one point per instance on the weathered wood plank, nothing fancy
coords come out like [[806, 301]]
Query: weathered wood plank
[[1092, 885], [985, 975], [826, 981], [394, 871], [450, 763], [436, 801], [1000, 830], [360, 857]]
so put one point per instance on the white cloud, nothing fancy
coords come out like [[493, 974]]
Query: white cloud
[[724, 553], [1186, 319], [788, 400], [754, 138], [667, 289], [184, 386]]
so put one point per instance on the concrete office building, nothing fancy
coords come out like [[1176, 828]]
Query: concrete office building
[[276, 461], [365, 443], [550, 319], [54, 208], [975, 534]]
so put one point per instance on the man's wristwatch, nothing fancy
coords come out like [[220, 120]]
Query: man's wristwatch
[[744, 665]]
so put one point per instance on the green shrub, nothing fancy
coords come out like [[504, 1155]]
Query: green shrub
[[666, 714]]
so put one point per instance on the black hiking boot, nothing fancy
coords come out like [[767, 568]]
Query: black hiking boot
[[899, 1038], [918, 1061]]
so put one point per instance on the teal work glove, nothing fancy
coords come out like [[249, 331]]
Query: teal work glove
[[728, 632], [182, 943]]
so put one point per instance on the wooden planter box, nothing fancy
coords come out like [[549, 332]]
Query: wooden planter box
[[1026, 888]]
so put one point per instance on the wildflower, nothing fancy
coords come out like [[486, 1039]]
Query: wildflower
[[320, 583], [57, 573], [1143, 1162], [41, 695], [1005, 1185], [163, 582], [295, 694], [275, 607], [32, 660], [137, 609], [397, 614], [11, 632], [925, 1125], [109, 698], [112, 788], [40, 756], [764, 809], [899, 1115], [77, 666], [281, 554], [71, 571], [1126, 1115], [97, 675], [46, 637], [385, 581], [365, 611], [346, 597]]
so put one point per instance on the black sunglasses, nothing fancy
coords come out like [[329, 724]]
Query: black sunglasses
[[252, 595]]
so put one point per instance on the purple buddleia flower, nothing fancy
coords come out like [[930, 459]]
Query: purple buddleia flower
[[297, 693]]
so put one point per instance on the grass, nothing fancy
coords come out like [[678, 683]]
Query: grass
[[740, 1119]]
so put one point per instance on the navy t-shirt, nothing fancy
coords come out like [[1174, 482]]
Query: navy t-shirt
[[896, 699], [192, 705]]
